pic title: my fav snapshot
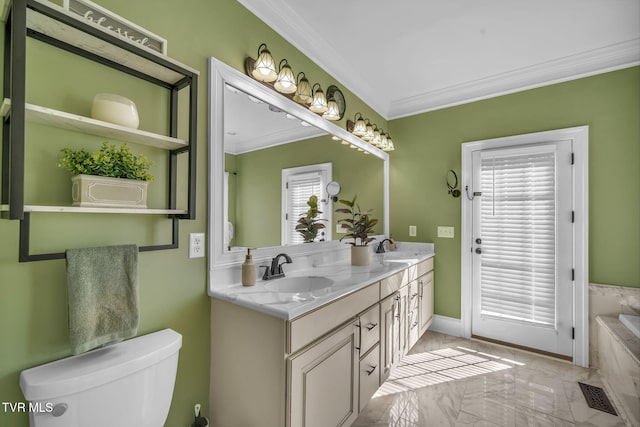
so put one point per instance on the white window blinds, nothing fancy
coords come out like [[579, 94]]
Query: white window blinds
[[299, 188], [518, 224]]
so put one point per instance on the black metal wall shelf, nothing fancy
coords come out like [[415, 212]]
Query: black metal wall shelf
[[51, 24]]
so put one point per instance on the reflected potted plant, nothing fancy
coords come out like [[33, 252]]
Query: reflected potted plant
[[359, 226], [309, 224], [110, 177]]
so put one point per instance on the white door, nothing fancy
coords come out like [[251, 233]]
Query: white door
[[522, 246]]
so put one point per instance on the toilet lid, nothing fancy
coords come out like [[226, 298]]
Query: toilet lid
[[94, 368]]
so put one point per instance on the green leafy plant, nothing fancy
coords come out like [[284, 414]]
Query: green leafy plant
[[110, 161], [308, 225], [359, 225]]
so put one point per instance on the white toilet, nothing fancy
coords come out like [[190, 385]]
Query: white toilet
[[122, 385]]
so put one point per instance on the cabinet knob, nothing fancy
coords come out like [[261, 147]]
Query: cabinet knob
[[478, 250]]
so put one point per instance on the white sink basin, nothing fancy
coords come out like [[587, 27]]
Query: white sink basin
[[299, 284]]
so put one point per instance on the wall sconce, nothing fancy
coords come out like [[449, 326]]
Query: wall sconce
[[303, 93], [453, 189], [336, 104], [319, 101], [286, 81], [263, 68]]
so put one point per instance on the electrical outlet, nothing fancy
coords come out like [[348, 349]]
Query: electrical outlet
[[413, 231], [446, 232], [339, 229], [196, 245]]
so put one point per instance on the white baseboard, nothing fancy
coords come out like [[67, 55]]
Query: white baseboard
[[446, 325]]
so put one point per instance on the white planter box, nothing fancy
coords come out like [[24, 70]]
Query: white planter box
[[100, 191]]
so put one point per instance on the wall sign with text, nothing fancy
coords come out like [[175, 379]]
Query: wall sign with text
[[117, 24]]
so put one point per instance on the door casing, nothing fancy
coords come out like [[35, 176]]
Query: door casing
[[580, 138]]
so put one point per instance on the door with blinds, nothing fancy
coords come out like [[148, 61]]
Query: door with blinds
[[298, 184], [522, 246]]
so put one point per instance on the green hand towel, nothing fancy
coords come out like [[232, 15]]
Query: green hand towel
[[102, 286]]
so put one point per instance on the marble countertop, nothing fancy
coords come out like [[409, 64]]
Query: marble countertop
[[346, 279]]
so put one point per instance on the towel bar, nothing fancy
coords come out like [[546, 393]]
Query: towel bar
[[25, 256]]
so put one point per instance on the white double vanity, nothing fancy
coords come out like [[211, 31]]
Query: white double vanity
[[316, 357], [312, 348]]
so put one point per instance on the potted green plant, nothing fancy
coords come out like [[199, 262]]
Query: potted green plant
[[359, 226], [110, 177], [308, 223]]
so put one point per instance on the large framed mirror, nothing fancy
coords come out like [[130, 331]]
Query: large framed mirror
[[265, 152]]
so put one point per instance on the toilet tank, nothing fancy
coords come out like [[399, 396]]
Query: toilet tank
[[125, 385]]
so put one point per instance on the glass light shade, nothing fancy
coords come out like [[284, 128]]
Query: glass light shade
[[390, 146], [376, 138], [383, 141], [303, 93], [368, 135], [319, 102], [333, 112], [264, 69], [286, 81], [359, 127]]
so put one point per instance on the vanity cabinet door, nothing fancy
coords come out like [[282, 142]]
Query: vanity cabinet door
[[323, 382], [425, 295], [390, 338]]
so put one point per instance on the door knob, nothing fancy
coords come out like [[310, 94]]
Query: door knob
[[478, 250]]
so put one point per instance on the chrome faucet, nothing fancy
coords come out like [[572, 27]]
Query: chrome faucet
[[380, 248], [275, 271]]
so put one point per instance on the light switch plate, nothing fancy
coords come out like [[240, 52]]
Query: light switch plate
[[446, 232], [413, 231]]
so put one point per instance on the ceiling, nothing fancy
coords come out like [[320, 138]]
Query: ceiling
[[409, 56]]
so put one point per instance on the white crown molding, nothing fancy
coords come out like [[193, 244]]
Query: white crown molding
[[597, 61], [278, 15]]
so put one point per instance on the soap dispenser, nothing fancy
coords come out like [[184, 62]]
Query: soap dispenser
[[248, 270]]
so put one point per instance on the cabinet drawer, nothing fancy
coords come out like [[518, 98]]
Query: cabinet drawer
[[425, 266], [308, 328], [369, 328], [369, 376], [392, 283]]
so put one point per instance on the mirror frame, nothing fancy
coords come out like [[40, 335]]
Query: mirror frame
[[219, 74]]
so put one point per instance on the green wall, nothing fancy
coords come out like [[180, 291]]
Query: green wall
[[258, 201], [430, 143], [33, 305]]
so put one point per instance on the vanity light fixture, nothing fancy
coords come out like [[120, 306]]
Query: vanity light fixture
[[336, 104], [319, 101], [286, 81], [264, 67], [303, 93]]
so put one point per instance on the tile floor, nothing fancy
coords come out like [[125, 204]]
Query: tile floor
[[450, 381]]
